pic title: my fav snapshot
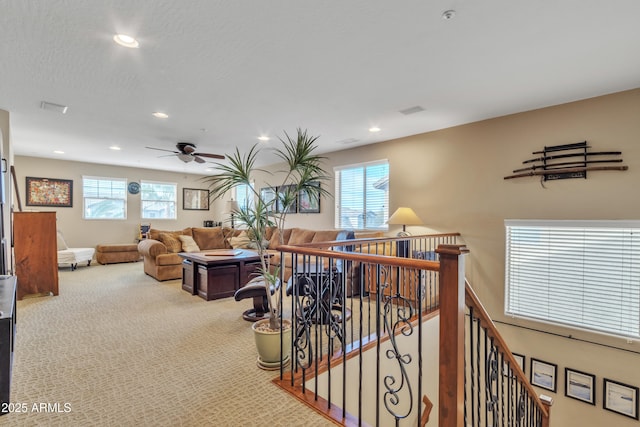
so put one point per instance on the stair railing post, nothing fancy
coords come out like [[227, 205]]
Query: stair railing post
[[452, 306]]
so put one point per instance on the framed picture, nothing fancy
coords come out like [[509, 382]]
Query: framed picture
[[620, 398], [543, 374], [268, 196], [519, 358], [282, 190], [49, 192], [580, 385], [194, 199], [309, 203]]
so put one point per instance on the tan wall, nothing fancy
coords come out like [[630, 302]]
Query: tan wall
[[79, 232], [453, 179]]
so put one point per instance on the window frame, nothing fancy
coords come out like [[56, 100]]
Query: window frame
[[586, 274], [338, 170], [107, 179], [143, 183]]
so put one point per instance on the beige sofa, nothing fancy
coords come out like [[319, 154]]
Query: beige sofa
[[160, 250]]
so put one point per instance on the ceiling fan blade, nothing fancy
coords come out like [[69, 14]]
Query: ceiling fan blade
[[211, 156], [162, 149], [198, 159]]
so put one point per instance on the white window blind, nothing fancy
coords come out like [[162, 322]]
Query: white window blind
[[362, 196], [158, 199], [104, 198], [582, 274]]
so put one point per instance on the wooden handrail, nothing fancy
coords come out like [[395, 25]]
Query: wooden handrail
[[373, 240], [472, 300], [365, 258]]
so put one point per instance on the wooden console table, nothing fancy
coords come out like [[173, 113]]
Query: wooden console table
[[217, 276]]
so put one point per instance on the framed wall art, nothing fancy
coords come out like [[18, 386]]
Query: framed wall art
[[281, 191], [580, 385], [544, 374], [309, 203], [49, 192], [194, 199], [520, 359], [620, 398]]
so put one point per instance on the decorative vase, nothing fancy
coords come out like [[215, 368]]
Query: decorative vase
[[268, 343]]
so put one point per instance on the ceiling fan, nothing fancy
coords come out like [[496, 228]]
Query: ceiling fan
[[187, 153]]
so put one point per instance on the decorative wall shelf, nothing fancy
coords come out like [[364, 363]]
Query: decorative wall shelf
[[568, 161]]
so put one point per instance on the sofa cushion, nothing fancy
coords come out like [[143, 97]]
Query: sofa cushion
[[325, 236], [188, 244], [155, 234], [209, 238], [172, 243], [274, 242], [301, 235], [242, 241]]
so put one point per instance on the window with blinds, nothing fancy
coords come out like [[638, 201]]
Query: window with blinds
[[158, 199], [362, 196], [104, 198], [582, 274]]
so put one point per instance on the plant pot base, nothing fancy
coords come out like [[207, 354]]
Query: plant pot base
[[271, 366]]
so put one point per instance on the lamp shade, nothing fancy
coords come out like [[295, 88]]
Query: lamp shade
[[404, 216], [232, 206]]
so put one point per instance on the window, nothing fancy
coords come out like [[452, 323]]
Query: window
[[362, 196], [104, 198], [244, 195], [582, 274], [158, 199]]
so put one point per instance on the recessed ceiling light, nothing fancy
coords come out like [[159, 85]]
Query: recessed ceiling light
[[159, 115], [264, 138], [115, 148], [58, 151], [374, 129], [126, 41]]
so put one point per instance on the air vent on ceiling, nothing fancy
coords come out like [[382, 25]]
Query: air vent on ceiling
[[348, 141], [53, 107], [412, 110]]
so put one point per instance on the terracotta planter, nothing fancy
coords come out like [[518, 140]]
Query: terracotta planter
[[268, 345]]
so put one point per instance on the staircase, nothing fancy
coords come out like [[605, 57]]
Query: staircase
[[387, 332]]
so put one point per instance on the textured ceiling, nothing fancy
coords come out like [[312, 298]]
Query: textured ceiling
[[240, 69]]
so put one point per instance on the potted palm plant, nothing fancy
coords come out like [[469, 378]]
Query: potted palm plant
[[302, 172]]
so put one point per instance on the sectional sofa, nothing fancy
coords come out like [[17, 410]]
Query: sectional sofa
[[160, 250]]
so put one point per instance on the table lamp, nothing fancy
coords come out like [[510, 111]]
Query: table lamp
[[404, 217]]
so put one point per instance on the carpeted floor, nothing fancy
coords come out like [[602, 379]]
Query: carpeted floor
[[116, 347]]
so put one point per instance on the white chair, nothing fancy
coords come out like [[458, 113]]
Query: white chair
[[72, 256]]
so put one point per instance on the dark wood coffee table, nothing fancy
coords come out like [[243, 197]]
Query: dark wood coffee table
[[215, 274]]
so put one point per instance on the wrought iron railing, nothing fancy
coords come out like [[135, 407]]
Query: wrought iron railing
[[367, 342]]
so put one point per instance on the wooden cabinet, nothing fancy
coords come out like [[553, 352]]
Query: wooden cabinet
[[36, 252]]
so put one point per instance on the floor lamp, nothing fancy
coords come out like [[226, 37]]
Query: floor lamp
[[232, 208]]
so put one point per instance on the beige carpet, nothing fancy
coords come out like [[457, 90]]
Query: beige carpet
[[118, 348]]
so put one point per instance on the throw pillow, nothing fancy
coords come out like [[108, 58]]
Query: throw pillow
[[188, 244], [241, 241], [171, 242]]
